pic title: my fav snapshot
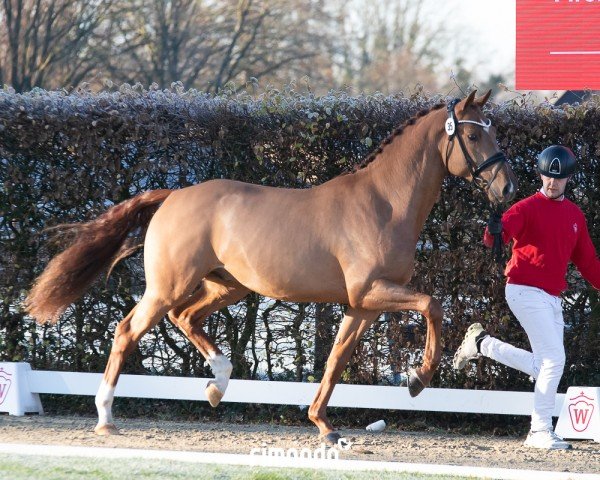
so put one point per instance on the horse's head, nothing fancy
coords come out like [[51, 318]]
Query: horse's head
[[471, 150]]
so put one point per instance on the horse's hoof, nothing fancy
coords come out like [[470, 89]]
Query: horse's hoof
[[106, 429], [213, 394], [415, 384], [334, 439]]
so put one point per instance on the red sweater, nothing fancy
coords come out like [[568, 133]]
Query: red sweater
[[547, 234]]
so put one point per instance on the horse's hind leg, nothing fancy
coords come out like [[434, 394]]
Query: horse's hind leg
[[146, 314], [212, 295]]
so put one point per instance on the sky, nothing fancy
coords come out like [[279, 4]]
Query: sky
[[489, 27]]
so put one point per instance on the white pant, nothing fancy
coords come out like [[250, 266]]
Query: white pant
[[540, 314]]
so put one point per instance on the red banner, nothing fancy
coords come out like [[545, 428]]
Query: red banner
[[558, 45]]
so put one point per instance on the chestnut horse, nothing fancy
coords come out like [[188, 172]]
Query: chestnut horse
[[350, 240]]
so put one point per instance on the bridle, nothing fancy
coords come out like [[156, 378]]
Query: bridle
[[451, 125], [475, 170]]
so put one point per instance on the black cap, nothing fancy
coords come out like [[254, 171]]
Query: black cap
[[556, 161]]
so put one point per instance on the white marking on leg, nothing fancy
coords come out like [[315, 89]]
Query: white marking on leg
[[104, 400], [221, 368]]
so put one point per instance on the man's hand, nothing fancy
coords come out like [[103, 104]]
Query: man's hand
[[495, 224]]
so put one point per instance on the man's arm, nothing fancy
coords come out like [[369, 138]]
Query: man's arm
[[510, 225], [585, 258]]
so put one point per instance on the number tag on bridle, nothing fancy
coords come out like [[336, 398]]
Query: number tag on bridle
[[450, 126]]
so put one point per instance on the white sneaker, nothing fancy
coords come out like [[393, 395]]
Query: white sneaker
[[546, 439], [468, 348]]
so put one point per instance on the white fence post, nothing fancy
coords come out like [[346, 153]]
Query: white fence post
[[16, 396]]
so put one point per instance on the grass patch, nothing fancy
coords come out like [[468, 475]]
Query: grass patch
[[26, 467]]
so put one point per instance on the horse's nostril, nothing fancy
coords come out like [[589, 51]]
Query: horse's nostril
[[508, 191]]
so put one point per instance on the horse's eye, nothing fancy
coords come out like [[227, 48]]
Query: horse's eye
[[472, 137]]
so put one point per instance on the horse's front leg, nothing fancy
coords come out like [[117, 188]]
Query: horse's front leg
[[353, 326], [389, 297]]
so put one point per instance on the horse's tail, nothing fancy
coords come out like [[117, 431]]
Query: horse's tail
[[95, 246]]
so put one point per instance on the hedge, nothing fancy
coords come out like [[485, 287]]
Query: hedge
[[67, 156]]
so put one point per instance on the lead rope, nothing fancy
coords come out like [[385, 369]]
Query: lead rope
[[497, 250]]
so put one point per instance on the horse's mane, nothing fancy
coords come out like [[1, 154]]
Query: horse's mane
[[397, 131]]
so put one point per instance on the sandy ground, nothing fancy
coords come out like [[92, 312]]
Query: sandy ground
[[390, 445]]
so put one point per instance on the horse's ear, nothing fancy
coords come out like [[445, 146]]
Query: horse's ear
[[469, 99], [481, 101]]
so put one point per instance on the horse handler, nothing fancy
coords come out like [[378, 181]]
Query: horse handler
[[547, 231]]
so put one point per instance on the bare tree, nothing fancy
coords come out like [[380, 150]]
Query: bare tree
[[390, 46], [371, 45], [160, 41], [208, 44], [49, 43]]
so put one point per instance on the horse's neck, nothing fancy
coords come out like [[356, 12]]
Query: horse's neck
[[409, 172]]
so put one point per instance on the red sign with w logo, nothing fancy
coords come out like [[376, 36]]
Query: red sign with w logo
[[558, 45], [580, 412]]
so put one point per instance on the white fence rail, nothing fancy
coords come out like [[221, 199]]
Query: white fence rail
[[578, 410], [291, 393], [35, 382]]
